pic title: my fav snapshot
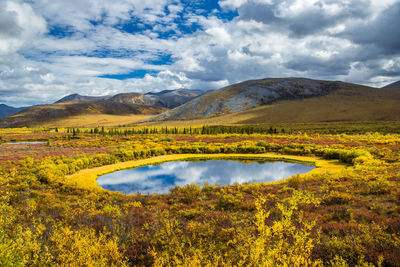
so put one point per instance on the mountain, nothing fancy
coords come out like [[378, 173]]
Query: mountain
[[166, 98], [120, 104], [175, 98], [74, 97], [8, 110], [289, 100], [248, 94], [277, 100], [35, 115], [393, 85]]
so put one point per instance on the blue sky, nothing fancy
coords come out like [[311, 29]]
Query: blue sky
[[49, 49]]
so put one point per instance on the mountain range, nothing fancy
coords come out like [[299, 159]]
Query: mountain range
[[289, 100], [120, 104], [8, 110], [247, 95], [255, 101]]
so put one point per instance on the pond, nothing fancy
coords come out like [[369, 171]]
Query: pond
[[160, 178], [24, 142]]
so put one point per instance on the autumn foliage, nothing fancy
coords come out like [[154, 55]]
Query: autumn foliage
[[346, 218]]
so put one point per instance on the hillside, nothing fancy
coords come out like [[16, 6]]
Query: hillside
[[43, 114], [78, 97], [248, 94], [8, 110], [166, 98], [95, 120], [288, 100], [393, 85], [78, 110]]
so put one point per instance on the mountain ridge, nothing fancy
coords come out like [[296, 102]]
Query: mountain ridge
[[393, 85], [165, 98], [119, 104], [6, 110], [270, 100], [78, 97], [249, 94]]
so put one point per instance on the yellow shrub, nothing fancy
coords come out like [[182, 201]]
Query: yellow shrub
[[85, 248]]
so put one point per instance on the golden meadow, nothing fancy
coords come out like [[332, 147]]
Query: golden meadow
[[343, 213]]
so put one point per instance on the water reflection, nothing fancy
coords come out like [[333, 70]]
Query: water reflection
[[24, 142], [159, 178]]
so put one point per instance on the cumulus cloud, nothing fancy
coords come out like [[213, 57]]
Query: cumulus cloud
[[18, 25], [303, 17], [382, 31], [49, 49]]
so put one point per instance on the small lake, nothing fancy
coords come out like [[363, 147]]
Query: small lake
[[160, 178], [24, 142]]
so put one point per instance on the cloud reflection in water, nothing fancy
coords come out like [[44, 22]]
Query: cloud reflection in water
[[159, 178]]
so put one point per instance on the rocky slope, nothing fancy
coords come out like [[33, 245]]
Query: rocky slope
[[120, 104], [247, 95], [167, 98]]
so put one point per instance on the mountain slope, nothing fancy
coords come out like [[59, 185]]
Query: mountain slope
[[76, 105], [288, 100], [78, 97], [36, 115], [393, 85], [8, 110], [166, 98], [368, 105], [249, 94]]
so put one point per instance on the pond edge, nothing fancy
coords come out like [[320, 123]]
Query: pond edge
[[87, 178]]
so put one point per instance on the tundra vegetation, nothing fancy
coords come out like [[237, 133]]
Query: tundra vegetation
[[346, 217]]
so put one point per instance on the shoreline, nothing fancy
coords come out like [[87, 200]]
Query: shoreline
[[87, 178]]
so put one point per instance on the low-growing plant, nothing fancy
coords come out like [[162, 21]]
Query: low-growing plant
[[336, 198]]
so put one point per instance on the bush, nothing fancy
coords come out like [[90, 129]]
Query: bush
[[377, 187], [261, 143], [342, 214], [295, 181], [228, 201], [336, 198], [188, 194]]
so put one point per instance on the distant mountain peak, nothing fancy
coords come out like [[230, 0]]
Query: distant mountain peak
[[6, 110], [160, 93], [120, 104], [78, 97], [393, 85]]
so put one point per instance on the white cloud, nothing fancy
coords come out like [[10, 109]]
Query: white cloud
[[317, 39], [18, 25]]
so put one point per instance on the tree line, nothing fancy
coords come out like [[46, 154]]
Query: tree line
[[205, 130]]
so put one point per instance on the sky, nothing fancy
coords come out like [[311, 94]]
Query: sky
[[52, 48]]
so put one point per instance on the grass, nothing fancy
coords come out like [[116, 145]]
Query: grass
[[94, 120], [88, 178]]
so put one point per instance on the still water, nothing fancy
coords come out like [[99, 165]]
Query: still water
[[160, 178], [24, 142]]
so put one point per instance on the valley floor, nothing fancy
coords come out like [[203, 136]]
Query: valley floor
[[346, 214]]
